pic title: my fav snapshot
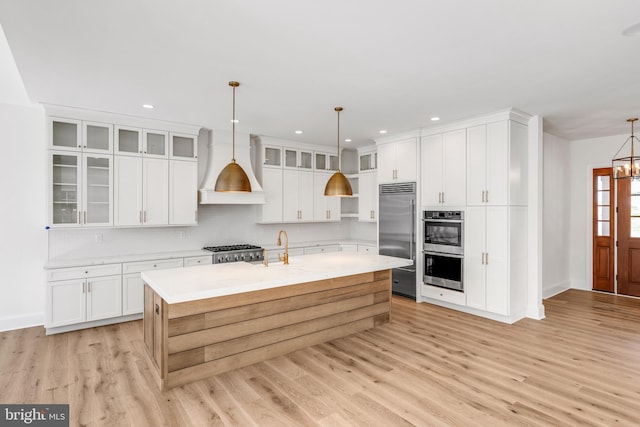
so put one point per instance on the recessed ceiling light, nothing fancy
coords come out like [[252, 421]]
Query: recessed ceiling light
[[148, 106], [347, 140], [235, 121], [298, 132], [632, 31], [435, 118], [383, 131]]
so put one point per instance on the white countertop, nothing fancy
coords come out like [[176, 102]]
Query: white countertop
[[80, 262], [192, 283]]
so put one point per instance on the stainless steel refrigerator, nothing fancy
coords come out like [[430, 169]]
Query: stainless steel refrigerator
[[397, 237]]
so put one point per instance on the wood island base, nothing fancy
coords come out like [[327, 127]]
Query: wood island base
[[193, 340]]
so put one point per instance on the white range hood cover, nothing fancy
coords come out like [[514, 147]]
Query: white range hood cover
[[220, 149]]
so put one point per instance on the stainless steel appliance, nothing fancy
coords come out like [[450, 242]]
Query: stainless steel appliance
[[443, 249], [233, 253], [397, 224]]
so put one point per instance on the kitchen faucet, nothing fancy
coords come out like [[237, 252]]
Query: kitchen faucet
[[285, 258]]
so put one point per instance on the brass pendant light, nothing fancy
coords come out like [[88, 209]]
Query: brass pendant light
[[233, 178], [338, 184], [627, 166]]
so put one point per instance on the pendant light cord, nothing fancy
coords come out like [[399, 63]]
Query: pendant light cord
[[338, 109], [233, 126]]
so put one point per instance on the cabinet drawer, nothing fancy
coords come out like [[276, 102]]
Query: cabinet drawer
[[198, 260], [162, 264], [367, 248], [82, 272], [349, 248], [443, 294], [321, 249]]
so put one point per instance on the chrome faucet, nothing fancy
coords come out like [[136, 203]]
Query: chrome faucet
[[284, 258]]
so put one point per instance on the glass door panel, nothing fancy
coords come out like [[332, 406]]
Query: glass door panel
[[272, 156], [333, 163], [290, 158], [98, 190], [65, 174], [321, 161], [155, 143], [98, 137], [128, 140], [65, 133], [183, 146], [306, 160], [603, 218]]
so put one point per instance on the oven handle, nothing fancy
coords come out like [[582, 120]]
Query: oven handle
[[443, 254], [453, 221]]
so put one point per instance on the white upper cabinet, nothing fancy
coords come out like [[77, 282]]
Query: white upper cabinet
[[397, 161], [367, 197], [273, 194], [183, 194], [155, 143], [97, 186], [128, 140], [272, 156], [78, 135], [297, 197], [326, 208], [141, 191], [443, 160], [496, 167], [298, 159], [326, 162], [183, 146], [367, 159]]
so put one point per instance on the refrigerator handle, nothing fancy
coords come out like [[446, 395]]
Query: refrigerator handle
[[413, 226]]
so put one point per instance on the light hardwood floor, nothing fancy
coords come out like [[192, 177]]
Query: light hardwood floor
[[429, 366]]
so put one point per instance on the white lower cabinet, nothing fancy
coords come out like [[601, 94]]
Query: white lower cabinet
[[86, 297], [495, 276], [132, 294], [321, 249]]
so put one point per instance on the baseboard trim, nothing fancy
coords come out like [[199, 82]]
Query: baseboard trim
[[556, 289], [85, 325], [22, 321]]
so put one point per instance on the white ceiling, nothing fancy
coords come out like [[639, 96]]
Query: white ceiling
[[390, 64]]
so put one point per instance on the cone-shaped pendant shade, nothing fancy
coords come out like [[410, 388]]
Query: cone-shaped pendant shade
[[233, 179], [338, 184]]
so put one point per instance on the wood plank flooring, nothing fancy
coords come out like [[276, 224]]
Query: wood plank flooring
[[428, 367]]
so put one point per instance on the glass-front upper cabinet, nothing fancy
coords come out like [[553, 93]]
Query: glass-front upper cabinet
[[77, 135], [64, 193], [128, 140], [97, 137], [183, 147], [298, 158], [97, 185], [272, 156], [326, 161], [368, 161], [81, 189], [155, 143]]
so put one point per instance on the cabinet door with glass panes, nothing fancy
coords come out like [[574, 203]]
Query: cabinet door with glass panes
[[76, 135], [127, 140], [298, 159], [155, 143], [80, 189], [324, 161], [183, 146]]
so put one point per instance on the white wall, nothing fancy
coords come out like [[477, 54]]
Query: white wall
[[585, 155], [556, 216], [23, 175]]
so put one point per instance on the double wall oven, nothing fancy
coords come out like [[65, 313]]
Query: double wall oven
[[443, 249]]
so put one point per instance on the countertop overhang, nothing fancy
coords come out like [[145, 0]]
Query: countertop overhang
[[179, 285]]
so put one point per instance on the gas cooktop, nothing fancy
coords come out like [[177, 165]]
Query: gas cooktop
[[233, 253]]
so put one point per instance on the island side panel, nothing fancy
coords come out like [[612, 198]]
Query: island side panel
[[207, 337]]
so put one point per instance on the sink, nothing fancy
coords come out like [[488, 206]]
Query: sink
[[278, 264]]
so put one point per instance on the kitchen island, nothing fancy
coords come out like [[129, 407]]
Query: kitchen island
[[204, 320]]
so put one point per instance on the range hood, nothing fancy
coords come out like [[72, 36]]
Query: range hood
[[218, 156]]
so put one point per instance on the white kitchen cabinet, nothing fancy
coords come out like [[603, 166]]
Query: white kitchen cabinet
[[273, 195], [326, 208], [141, 191], [348, 247], [397, 161], [298, 158], [367, 159], [319, 249], [183, 147], [83, 295], [183, 192], [155, 143], [128, 140], [443, 162], [326, 162], [77, 135], [271, 156], [367, 248], [198, 260], [80, 190], [495, 259], [297, 197], [132, 294], [368, 197], [496, 169]]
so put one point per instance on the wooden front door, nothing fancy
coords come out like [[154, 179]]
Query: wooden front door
[[628, 237], [603, 223]]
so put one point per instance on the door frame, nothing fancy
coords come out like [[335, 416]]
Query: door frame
[[613, 228]]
